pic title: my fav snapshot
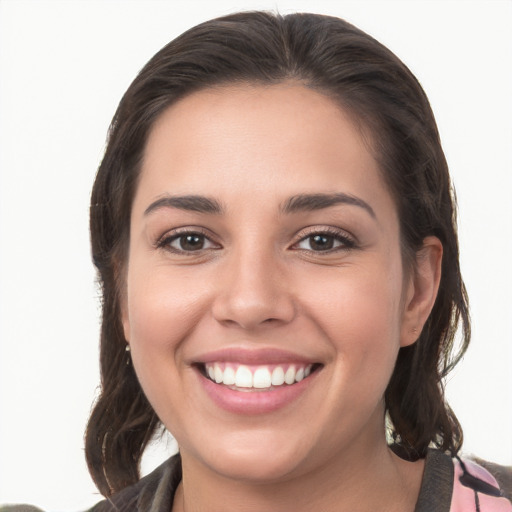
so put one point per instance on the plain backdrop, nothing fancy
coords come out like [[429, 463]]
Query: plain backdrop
[[64, 66]]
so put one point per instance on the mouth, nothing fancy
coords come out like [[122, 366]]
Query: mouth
[[262, 381], [254, 378]]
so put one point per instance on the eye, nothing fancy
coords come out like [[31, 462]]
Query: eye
[[187, 242], [324, 242]]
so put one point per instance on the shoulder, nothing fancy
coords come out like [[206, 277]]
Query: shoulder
[[19, 508], [502, 474], [462, 485], [481, 485], [154, 492]]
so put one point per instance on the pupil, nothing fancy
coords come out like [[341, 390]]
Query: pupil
[[191, 242], [321, 242]]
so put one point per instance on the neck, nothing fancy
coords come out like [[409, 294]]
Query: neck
[[375, 480]]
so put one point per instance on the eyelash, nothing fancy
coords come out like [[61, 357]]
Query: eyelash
[[166, 240], [345, 241]]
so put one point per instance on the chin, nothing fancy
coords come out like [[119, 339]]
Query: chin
[[259, 461]]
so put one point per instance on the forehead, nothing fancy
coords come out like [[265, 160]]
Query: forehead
[[277, 140]]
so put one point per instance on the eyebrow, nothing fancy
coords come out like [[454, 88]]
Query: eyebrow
[[192, 203], [311, 202], [297, 203]]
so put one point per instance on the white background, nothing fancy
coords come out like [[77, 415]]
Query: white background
[[64, 66]]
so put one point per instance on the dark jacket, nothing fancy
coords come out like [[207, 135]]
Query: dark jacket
[[155, 492]]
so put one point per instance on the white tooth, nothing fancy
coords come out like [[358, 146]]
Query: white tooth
[[289, 376], [262, 378], [229, 376], [217, 373], [211, 372], [243, 377], [300, 374], [278, 376], [307, 371]]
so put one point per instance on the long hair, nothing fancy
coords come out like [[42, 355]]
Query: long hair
[[333, 57]]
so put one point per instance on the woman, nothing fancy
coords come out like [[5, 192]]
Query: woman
[[274, 231]]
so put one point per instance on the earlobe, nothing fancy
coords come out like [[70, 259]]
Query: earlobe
[[422, 289], [125, 320], [126, 327], [120, 277]]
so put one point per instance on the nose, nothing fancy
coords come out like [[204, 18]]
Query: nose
[[252, 292]]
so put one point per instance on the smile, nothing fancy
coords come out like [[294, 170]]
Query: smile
[[257, 377], [256, 388]]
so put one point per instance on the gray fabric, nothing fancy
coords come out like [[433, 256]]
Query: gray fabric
[[503, 475], [437, 484], [19, 508], [155, 492]]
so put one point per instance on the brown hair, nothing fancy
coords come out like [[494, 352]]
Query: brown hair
[[334, 57]]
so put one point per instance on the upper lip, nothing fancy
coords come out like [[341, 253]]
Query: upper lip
[[258, 356]]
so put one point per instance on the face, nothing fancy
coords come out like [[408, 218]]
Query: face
[[265, 294]]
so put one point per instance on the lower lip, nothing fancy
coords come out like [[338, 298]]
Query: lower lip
[[258, 401]]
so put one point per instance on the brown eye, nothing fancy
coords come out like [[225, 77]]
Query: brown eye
[[191, 242], [188, 242], [321, 242], [325, 242]]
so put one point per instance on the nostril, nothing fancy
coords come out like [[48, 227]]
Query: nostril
[[252, 301]]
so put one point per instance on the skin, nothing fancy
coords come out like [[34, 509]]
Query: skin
[[258, 282]]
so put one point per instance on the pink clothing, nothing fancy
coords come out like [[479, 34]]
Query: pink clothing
[[465, 499]]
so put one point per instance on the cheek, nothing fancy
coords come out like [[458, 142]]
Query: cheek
[[162, 308], [359, 310], [162, 311]]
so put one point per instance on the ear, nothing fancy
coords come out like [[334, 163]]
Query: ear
[[421, 290], [125, 317], [125, 321], [120, 271]]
